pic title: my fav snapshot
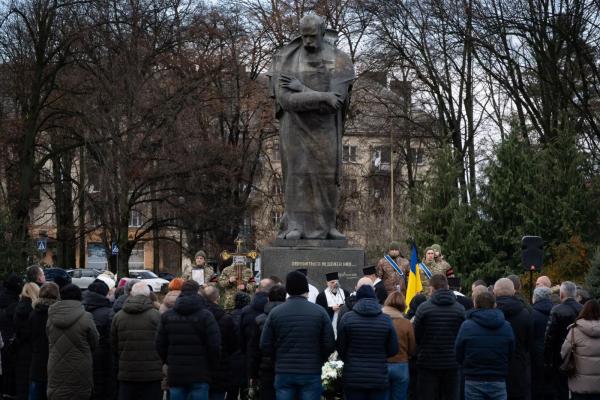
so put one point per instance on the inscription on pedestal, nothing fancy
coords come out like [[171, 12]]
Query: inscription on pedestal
[[348, 262]]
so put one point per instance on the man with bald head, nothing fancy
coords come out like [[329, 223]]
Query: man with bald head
[[543, 281], [518, 382]]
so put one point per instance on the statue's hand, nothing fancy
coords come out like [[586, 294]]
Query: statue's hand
[[291, 83], [333, 100]]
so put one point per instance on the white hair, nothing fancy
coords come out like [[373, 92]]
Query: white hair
[[541, 293], [568, 289], [504, 287], [140, 288]]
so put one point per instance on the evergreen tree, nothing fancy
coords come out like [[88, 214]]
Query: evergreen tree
[[592, 279]]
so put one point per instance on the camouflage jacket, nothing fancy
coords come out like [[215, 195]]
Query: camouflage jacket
[[230, 288], [442, 267], [389, 276], [209, 272]]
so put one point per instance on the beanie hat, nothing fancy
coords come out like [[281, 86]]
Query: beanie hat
[[365, 292], [296, 283], [437, 248], [70, 292], [98, 286], [241, 300], [200, 253], [394, 246], [13, 283], [303, 271]]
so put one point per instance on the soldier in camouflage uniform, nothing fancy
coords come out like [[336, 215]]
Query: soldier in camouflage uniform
[[209, 272], [442, 266], [429, 262], [233, 279], [390, 277]]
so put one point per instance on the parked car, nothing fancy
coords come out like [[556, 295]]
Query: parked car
[[149, 277], [52, 273], [83, 277], [166, 275]]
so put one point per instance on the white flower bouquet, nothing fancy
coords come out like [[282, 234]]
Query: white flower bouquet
[[331, 379]]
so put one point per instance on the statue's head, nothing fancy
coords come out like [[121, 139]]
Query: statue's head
[[312, 29]]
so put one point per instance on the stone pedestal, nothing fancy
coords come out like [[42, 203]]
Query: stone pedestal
[[318, 258]]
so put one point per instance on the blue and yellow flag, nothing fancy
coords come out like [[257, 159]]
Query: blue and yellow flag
[[414, 277]]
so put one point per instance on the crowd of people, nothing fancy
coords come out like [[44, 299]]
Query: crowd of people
[[229, 337]]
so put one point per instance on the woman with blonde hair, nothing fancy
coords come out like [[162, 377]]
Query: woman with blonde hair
[[394, 307], [29, 295]]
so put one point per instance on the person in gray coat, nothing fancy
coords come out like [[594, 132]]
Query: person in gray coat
[[72, 337]]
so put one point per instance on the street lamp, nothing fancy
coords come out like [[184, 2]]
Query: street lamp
[[181, 201]]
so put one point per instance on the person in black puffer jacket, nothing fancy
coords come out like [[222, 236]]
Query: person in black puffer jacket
[[238, 359], [38, 372], [96, 303], [299, 335], [133, 335], [253, 310], [221, 377], [189, 342], [541, 377], [29, 295], [561, 316], [436, 325], [261, 366], [9, 297], [518, 382], [365, 341]]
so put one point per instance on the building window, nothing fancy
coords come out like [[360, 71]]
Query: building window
[[381, 158], [349, 153], [136, 260], [276, 218], [417, 155], [275, 153], [136, 219]]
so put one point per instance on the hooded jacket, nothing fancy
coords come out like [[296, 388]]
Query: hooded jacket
[[436, 325], [585, 340], [39, 343], [299, 335], [366, 338], [133, 332], [484, 345], [72, 337], [248, 318], [517, 314], [101, 309], [188, 341], [221, 378]]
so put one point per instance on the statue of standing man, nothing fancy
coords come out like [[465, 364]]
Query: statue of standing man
[[311, 80]]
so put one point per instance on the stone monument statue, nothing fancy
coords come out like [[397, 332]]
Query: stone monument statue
[[311, 80]]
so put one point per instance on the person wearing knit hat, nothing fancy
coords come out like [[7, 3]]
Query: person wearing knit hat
[[441, 265], [393, 269], [201, 272], [95, 302], [313, 292], [366, 338], [332, 297], [298, 335]]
